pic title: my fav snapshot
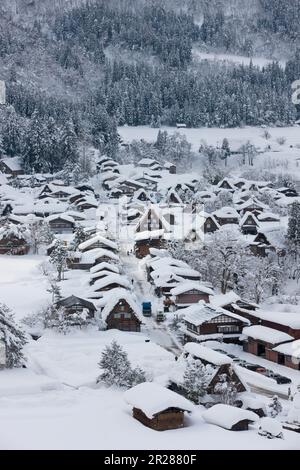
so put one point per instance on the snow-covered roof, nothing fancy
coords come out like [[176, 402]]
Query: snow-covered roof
[[111, 279], [91, 256], [226, 212], [268, 215], [152, 399], [104, 266], [13, 163], [289, 349], [245, 217], [148, 162], [112, 297], [227, 416], [268, 335], [64, 217], [98, 239], [220, 300], [290, 319], [149, 235], [252, 202], [270, 426], [187, 286], [207, 354], [201, 312]]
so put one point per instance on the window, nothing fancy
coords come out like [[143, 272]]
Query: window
[[228, 329], [127, 316], [117, 315]]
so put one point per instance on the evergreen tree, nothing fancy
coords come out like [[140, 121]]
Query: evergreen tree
[[13, 337], [58, 258], [116, 368], [195, 380]]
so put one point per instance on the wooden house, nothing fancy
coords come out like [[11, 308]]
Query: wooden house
[[152, 219], [98, 241], [229, 417], [157, 407], [288, 192], [222, 367], [109, 282], [172, 197], [286, 322], [261, 246], [249, 224], [148, 182], [120, 311], [170, 167], [227, 185], [11, 166], [251, 205], [204, 322], [146, 240], [210, 224], [91, 258], [13, 240], [74, 305], [287, 354], [260, 340], [150, 164], [188, 293], [226, 215], [61, 223]]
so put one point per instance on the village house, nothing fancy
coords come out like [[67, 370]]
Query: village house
[[61, 223], [98, 241], [287, 354], [146, 240], [157, 407], [90, 258], [226, 215], [77, 306], [261, 246], [13, 240], [226, 184], [203, 322], [106, 283], [229, 417], [11, 166], [172, 197], [251, 205], [152, 219], [260, 340], [188, 293], [219, 370], [120, 311], [148, 182], [249, 224], [86, 203], [287, 322], [170, 167], [150, 164], [288, 192], [104, 267]]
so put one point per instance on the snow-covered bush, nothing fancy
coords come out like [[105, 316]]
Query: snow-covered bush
[[270, 428], [275, 407], [225, 390], [13, 337], [294, 413], [116, 368]]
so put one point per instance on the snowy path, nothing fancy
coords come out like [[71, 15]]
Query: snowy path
[[157, 332]]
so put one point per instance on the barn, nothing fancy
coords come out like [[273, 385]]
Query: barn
[[74, 305], [188, 293], [157, 407]]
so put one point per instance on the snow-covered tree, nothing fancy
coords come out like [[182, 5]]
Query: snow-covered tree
[[116, 368], [39, 234], [226, 390], [293, 234], [13, 337], [80, 236], [58, 258], [195, 380], [275, 407]]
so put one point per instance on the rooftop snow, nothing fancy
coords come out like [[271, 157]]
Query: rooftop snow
[[268, 335], [152, 399], [207, 354], [187, 286], [289, 349], [227, 416], [112, 297], [97, 239]]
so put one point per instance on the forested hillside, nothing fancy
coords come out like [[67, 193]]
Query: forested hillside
[[76, 69]]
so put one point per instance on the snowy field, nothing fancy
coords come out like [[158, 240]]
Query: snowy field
[[64, 409], [22, 285]]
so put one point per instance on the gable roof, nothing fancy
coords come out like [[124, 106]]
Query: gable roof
[[200, 313], [187, 286], [111, 298], [97, 239], [227, 416], [74, 300], [208, 355]]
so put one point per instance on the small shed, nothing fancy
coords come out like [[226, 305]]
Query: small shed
[[229, 417], [260, 340], [76, 305], [157, 407]]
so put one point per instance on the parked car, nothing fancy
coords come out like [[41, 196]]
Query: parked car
[[280, 379]]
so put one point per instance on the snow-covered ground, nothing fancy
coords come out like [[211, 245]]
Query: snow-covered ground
[[22, 285], [66, 410]]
